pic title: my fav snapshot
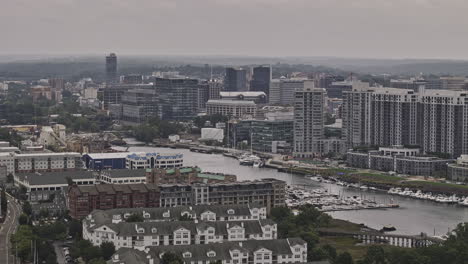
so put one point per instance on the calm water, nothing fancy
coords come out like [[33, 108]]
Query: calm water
[[413, 216]]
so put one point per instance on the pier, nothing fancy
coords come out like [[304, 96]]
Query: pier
[[407, 241]]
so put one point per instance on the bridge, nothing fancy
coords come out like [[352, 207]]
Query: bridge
[[407, 241]]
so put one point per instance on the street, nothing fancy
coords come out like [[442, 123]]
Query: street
[[7, 229]]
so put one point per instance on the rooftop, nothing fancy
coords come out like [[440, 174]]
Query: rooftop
[[232, 102], [54, 178]]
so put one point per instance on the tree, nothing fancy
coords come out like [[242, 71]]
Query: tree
[[27, 208], [10, 178], [4, 202], [107, 250], [97, 261], [75, 228], [90, 253], [185, 217], [21, 241], [134, 218], [171, 258], [344, 258], [375, 255], [23, 219]]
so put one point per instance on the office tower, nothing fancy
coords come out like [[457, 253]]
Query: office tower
[[261, 79], [177, 98], [215, 87], [325, 80], [282, 90], [111, 68], [336, 89], [235, 80], [203, 95], [112, 94], [139, 105], [410, 84], [309, 106], [57, 86]]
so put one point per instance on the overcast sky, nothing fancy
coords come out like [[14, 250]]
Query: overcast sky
[[342, 28]]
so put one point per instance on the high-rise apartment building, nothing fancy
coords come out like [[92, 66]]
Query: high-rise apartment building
[[235, 80], [309, 106], [434, 120], [177, 97], [261, 79], [111, 68]]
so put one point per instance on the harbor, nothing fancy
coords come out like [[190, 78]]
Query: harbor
[[326, 201]]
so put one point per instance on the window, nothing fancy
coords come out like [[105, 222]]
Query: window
[[187, 255], [153, 230], [230, 211], [211, 254]]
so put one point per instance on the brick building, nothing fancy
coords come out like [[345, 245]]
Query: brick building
[[84, 199], [188, 175]]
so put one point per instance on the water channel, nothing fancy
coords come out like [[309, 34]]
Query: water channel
[[413, 217]]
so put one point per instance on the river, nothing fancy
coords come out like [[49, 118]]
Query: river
[[413, 217]]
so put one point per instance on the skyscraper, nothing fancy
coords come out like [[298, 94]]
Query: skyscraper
[[111, 68], [235, 80], [261, 79], [309, 105]]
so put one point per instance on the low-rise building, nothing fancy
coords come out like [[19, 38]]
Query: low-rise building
[[188, 175], [43, 162], [40, 186], [232, 108], [132, 160], [257, 97], [277, 251], [399, 160], [458, 171]]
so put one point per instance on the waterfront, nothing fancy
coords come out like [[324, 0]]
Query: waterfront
[[413, 216]]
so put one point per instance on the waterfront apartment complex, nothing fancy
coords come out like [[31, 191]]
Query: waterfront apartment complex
[[458, 171], [399, 160], [268, 193], [434, 120], [309, 104]]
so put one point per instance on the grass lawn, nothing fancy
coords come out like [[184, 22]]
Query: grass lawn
[[343, 244], [380, 177]]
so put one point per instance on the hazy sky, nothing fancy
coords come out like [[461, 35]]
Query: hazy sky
[[349, 28]]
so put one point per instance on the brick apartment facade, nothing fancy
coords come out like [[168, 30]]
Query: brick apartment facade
[[84, 199]]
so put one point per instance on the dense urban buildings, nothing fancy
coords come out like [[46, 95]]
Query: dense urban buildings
[[257, 97], [235, 80], [139, 105], [309, 104]]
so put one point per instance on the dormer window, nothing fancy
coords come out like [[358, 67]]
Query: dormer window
[[146, 215], [126, 215], [154, 230], [187, 255], [211, 254], [166, 214], [230, 211]]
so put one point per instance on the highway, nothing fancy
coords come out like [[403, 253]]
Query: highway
[[7, 229]]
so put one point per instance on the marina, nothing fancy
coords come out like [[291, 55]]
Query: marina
[[427, 216], [328, 202]]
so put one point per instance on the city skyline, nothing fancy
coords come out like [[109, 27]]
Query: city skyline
[[358, 28]]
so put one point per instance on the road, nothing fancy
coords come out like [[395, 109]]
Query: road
[[59, 252], [7, 229]]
